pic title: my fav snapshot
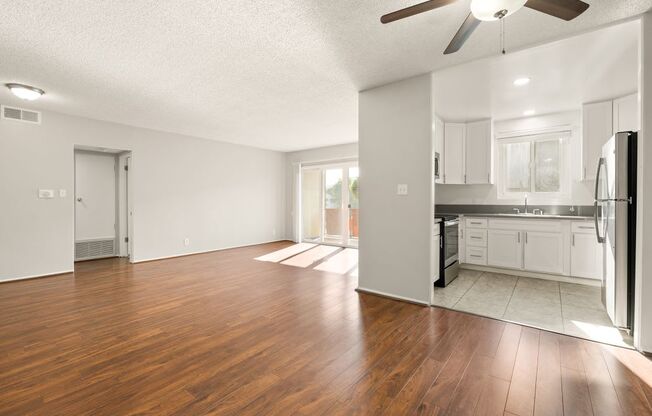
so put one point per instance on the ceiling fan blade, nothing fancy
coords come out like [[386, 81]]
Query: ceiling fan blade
[[563, 9], [416, 9], [462, 34]]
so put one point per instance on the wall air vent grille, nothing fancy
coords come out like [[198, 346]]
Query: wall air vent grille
[[19, 114], [94, 249]]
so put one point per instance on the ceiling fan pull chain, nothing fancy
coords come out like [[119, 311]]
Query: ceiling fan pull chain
[[502, 35]]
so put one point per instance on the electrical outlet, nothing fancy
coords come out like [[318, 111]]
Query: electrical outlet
[[402, 189], [273, 232], [62, 193], [186, 241]]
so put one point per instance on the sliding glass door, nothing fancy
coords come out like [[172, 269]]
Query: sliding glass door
[[329, 204]]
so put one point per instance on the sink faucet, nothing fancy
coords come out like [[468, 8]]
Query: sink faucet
[[516, 210], [525, 203]]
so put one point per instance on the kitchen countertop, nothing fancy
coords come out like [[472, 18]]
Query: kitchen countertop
[[531, 216]]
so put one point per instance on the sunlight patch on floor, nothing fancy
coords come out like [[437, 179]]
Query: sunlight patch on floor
[[341, 263], [280, 255], [324, 258], [308, 258], [608, 334]]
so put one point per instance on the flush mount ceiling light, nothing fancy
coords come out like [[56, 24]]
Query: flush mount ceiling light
[[489, 10], [26, 92], [519, 82], [527, 113]]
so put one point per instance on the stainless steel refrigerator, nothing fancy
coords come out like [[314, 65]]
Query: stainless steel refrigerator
[[615, 225]]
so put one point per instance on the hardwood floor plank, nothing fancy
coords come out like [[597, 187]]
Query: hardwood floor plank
[[520, 400], [577, 400], [222, 333], [548, 397], [493, 398], [503, 366], [604, 398]]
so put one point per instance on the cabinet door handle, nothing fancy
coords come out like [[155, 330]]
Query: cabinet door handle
[[519, 237], [573, 240], [526, 237]]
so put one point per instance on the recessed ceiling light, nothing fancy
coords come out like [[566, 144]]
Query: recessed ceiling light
[[527, 113], [26, 92], [519, 82]]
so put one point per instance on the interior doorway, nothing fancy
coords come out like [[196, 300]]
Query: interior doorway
[[330, 204], [102, 204]]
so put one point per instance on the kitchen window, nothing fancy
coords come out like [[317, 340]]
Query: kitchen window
[[535, 164]]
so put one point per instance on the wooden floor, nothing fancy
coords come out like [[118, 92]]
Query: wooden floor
[[224, 334]]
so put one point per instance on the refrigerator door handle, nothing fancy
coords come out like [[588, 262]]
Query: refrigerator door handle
[[595, 219], [601, 162]]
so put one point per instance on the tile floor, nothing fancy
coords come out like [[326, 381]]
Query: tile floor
[[566, 308]]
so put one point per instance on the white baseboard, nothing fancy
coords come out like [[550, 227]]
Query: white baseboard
[[388, 295], [36, 276], [554, 277], [139, 261], [192, 253]]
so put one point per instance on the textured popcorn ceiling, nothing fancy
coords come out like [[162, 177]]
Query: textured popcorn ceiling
[[275, 74]]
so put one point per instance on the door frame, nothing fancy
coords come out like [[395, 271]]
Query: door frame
[[344, 165], [124, 189]]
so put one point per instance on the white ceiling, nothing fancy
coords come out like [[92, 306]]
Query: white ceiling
[[281, 74], [594, 66]]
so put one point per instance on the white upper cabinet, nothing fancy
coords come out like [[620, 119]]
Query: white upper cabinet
[[626, 114], [438, 135], [467, 156], [478, 151], [454, 135], [597, 129], [544, 252]]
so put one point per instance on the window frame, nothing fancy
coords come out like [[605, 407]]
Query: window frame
[[565, 136]]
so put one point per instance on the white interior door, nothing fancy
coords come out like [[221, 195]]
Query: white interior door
[[95, 205]]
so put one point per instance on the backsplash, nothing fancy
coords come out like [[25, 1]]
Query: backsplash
[[579, 210]]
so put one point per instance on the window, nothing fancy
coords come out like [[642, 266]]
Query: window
[[534, 164]]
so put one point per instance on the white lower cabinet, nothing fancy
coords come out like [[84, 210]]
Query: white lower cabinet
[[476, 255], [543, 252], [586, 256], [505, 249]]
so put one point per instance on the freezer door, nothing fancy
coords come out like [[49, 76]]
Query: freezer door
[[619, 159]]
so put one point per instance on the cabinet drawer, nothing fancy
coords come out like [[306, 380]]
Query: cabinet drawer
[[583, 227], [476, 223], [476, 255], [476, 237]]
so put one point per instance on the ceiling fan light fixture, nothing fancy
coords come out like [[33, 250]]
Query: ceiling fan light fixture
[[490, 10]]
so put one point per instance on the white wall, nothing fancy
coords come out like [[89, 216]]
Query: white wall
[[395, 145], [216, 194], [580, 191], [293, 160], [643, 314]]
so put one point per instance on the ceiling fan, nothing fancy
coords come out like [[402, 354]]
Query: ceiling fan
[[489, 10]]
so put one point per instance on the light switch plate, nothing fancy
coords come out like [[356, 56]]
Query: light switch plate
[[46, 193], [401, 189], [62, 193]]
